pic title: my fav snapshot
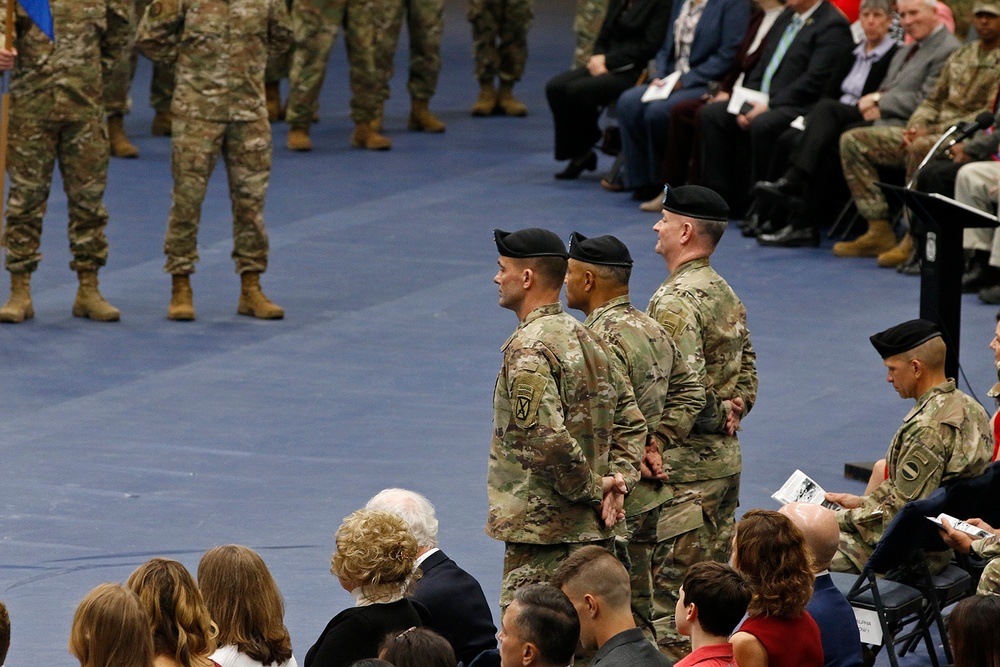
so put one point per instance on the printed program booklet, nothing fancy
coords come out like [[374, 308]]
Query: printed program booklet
[[801, 488]]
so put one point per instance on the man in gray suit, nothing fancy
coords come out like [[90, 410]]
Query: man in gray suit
[[597, 584], [911, 76]]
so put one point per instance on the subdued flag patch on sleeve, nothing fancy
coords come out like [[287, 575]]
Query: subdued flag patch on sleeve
[[40, 12]]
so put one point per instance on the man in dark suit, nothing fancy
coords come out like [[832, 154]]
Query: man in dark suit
[[897, 82], [452, 599], [807, 41]]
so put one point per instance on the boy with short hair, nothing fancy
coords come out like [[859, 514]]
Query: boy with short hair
[[711, 602]]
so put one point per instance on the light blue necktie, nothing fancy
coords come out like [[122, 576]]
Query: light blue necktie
[[787, 38]]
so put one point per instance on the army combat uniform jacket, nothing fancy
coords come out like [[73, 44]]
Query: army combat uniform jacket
[[220, 53], [708, 323], [564, 416], [667, 392], [945, 437]]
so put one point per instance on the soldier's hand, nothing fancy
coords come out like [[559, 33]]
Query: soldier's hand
[[845, 500], [597, 65], [734, 416], [612, 508], [956, 539], [979, 523], [651, 466], [7, 59]]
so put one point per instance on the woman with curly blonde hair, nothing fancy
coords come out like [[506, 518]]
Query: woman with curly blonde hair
[[111, 629], [183, 632], [375, 562], [247, 607], [770, 551]]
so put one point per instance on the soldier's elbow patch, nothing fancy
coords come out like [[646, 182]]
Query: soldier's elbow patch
[[914, 472], [528, 390]]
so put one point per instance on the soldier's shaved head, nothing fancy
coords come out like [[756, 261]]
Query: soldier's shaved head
[[931, 353]]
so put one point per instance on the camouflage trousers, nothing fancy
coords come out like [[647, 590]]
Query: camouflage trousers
[[315, 24], [525, 564], [246, 150], [641, 540], [500, 38], [852, 554], [989, 584], [119, 82], [696, 525], [279, 66], [82, 150], [425, 25], [863, 150], [586, 26]]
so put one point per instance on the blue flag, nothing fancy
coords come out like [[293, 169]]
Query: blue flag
[[40, 13]]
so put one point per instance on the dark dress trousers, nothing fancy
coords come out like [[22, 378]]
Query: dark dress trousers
[[630, 35], [456, 607]]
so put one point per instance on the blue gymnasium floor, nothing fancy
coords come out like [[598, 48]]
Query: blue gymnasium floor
[[125, 441]]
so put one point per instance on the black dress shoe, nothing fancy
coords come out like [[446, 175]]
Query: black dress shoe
[[576, 166], [791, 237], [912, 266], [750, 225], [780, 188], [979, 276], [990, 294]]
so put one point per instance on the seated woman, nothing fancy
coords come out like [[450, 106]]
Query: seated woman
[[771, 553], [972, 630], [417, 647], [247, 607], [111, 629], [701, 44], [375, 561], [183, 632], [631, 33]]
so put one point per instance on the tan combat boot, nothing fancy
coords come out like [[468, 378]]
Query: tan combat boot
[[510, 105], [898, 254], [872, 243], [181, 299], [18, 308], [118, 140], [90, 303], [162, 123], [272, 93], [421, 118], [487, 100], [298, 139], [253, 301], [366, 136]]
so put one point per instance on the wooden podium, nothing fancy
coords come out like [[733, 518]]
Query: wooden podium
[[937, 223]]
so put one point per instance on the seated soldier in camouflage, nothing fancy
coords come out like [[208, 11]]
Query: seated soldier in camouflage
[[945, 437], [220, 49], [987, 548]]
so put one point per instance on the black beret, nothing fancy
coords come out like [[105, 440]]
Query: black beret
[[904, 337], [531, 242], [695, 201], [606, 250]]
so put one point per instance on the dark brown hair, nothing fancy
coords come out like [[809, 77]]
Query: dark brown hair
[[771, 553], [111, 629], [720, 593], [972, 629], [417, 647]]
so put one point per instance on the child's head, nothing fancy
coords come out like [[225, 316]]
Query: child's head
[[417, 647], [111, 629], [713, 596]]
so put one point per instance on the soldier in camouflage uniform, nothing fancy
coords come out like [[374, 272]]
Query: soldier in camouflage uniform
[[425, 24], [278, 67], [587, 26], [118, 84], [220, 49], [945, 437], [967, 86], [57, 111], [366, 24], [986, 548], [668, 394], [500, 48], [707, 322], [567, 433]]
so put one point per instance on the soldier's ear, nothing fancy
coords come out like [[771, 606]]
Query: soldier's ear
[[589, 282]]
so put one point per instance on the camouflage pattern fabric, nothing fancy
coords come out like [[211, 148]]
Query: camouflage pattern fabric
[[119, 83], [220, 49], [57, 111], [367, 24], [967, 86], [945, 437], [500, 38], [707, 321], [246, 150], [315, 24], [696, 525], [564, 417], [279, 65], [988, 549], [425, 25], [525, 564], [587, 26], [666, 391]]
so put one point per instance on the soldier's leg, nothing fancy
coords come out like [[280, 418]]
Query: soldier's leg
[[387, 23], [314, 24], [365, 23], [641, 539], [719, 500], [989, 584], [247, 154], [195, 148], [514, 40], [975, 185], [586, 26], [852, 554], [276, 70], [83, 163], [485, 17], [679, 545], [30, 159], [116, 86], [425, 24]]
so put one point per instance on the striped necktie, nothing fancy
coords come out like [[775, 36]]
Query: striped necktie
[[787, 38]]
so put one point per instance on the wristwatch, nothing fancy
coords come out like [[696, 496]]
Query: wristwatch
[[876, 98]]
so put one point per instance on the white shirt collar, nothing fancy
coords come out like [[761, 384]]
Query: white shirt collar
[[423, 557]]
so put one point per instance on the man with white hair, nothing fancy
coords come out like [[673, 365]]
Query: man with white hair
[[454, 599]]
